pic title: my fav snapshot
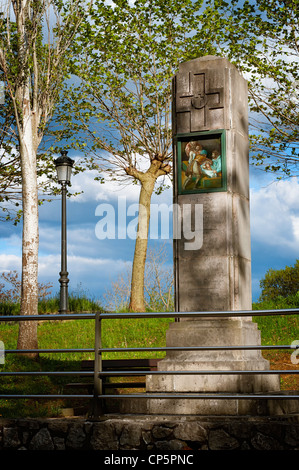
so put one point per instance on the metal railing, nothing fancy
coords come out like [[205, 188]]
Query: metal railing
[[98, 397]]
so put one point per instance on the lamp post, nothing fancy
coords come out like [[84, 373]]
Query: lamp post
[[64, 166]]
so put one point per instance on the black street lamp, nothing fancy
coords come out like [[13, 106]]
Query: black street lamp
[[64, 166]]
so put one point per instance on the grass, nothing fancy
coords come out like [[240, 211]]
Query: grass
[[115, 333], [77, 303], [277, 329], [68, 334], [280, 330]]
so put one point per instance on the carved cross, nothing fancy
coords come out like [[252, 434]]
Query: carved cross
[[195, 95]]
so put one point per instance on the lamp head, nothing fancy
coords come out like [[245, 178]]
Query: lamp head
[[64, 165]]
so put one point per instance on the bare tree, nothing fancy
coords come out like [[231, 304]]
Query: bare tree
[[158, 285]]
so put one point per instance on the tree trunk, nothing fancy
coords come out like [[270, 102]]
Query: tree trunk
[[27, 338], [137, 284]]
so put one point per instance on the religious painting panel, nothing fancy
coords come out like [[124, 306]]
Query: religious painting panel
[[201, 162]]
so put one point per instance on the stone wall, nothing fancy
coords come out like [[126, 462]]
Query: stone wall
[[154, 434]]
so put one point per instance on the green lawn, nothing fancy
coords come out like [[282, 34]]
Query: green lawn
[[68, 334], [80, 334], [277, 329]]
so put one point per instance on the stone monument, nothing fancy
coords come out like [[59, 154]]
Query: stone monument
[[211, 178]]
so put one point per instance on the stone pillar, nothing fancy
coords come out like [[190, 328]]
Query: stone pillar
[[212, 271]]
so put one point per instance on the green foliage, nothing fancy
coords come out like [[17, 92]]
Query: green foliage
[[278, 329], [126, 54], [281, 286], [69, 335], [125, 57], [116, 333], [80, 334], [83, 304], [280, 291], [264, 46], [10, 293], [79, 301], [34, 48], [278, 303], [9, 308]]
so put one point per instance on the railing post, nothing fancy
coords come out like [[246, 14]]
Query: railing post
[[98, 408]]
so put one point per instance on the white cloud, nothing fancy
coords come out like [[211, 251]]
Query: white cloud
[[10, 262], [50, 265], [79, 240], [95, 191], [295, 222], [275, 215], [94, 274]]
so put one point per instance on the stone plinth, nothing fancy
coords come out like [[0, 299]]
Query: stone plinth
[[210, 110], [207, 333], [220, 332]]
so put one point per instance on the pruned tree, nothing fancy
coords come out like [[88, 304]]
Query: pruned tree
[[34, 40], [131, 50]]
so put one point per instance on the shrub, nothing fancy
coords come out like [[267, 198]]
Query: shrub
[[281, 283]]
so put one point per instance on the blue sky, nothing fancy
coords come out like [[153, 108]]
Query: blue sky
[[274, 224], [94, 263]]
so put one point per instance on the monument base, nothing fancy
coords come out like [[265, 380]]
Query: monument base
[[222, 407], [200, 406], [212, 333]]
